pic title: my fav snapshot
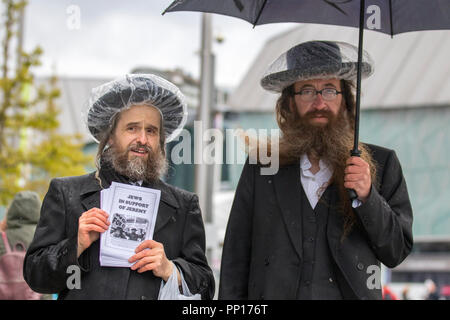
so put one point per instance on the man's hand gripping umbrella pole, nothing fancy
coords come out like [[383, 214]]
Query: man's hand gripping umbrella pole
[[355, 152]]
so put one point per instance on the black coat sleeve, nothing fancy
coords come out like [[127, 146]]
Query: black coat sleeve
[[236, 254], [387, 216], [51, 251], [192, 261]]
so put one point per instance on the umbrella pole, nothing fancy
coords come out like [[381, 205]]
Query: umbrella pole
[[356, 152]]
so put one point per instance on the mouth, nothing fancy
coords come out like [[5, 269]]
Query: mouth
[[318, 120], [319, 117], [139, 152]]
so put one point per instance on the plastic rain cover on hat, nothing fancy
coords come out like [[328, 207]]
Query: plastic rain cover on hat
[[316, 60], [136, 89]]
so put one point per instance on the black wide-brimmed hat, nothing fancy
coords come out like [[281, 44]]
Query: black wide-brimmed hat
[[315, 60], [136, 89]]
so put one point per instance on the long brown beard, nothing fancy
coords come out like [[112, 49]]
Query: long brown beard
[[136, 169], [332, 143]]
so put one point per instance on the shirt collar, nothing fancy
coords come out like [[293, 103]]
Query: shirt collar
[[305, 164], [137, 183]]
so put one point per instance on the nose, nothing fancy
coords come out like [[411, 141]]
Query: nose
[[319, 103], [142, 137]]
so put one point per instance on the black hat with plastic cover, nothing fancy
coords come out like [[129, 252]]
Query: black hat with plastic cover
[[121, 94], [315, 60]]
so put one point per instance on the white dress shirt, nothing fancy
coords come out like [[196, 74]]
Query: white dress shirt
[[316, 184]]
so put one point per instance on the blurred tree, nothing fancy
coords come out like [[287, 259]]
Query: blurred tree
[[31, 149]]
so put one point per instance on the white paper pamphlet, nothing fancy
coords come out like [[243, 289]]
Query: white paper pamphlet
[[132, 212]]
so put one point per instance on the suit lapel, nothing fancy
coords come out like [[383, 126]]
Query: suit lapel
[[288, 193], [166, 214], [90, 193], [91, 200], [167, 207]]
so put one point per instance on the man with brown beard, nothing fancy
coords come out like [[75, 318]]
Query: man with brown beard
[[131, 118], [296, 234]]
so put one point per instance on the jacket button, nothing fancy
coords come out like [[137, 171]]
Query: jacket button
[[266, 261], [143, 298], [330, 279], [360, 266], [64, 251]]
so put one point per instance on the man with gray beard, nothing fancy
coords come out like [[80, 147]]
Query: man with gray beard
[[297, 234], [132, 118]]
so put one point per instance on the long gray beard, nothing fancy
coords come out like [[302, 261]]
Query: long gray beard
[[137, 169]]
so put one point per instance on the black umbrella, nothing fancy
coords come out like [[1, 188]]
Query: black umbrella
[[386, 16]]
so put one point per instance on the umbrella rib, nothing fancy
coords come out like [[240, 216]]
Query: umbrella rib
[[390, 17], [238, 5], [259, 13]]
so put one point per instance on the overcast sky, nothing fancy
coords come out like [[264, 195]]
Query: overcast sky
[[115, 36]]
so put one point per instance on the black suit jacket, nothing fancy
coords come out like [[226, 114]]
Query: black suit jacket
[[262, 250], [179, 227]]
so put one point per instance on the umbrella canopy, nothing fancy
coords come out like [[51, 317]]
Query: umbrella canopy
[[387, 16]]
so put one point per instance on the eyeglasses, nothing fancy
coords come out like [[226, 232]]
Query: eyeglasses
[[309, 94]]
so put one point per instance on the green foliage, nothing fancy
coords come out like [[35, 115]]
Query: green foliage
[[31, 149]]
